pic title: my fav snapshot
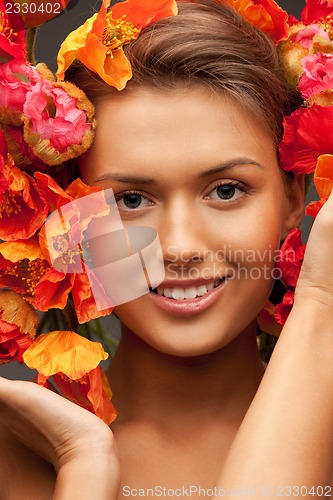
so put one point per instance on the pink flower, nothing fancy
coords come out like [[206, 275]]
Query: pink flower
[[16, 79], [318, 74], [306, 35], [54, 116]]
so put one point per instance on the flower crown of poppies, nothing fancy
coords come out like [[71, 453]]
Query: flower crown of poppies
[[45, 122]]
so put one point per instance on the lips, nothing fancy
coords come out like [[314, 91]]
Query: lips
[[189, 307]]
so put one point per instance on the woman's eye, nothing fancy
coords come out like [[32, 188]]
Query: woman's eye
[[227, 192], [131, 201]]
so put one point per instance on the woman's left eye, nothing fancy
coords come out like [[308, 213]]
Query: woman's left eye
[[131, 200], [229, 191]]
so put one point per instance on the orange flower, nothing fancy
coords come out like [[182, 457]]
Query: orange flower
[[24, 270], [18, 322], [22, 208], [98, 43], [73, 362], [61, 244], [323, 180], [266, 15]]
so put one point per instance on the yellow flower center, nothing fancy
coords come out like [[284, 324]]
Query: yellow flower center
[[29, 271], [327, 24], [118, 32], [5, 28], [9, 204], [68, 255]]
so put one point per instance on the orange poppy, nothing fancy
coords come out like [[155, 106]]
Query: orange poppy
[[266, 15], [18, 322], [323, 180], [73, 361], [24, 270], [22, 207], [98, 43], [61, 244]]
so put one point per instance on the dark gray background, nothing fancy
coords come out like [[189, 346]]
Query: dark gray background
[[49, 39]]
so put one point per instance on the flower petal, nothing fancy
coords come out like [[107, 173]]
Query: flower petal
[[64, 352]]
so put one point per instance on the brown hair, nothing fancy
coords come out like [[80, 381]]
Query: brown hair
[[208, 44]]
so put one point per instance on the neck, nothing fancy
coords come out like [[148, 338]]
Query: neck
[[148, 383]]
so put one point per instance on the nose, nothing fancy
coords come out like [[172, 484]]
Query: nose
[[183, 234]]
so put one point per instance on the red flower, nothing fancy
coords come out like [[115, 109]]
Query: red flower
[[12, 34], [36, 12], [316, 10], [289, 262], [18, 322], [267, 322], [290, 258], [308, 133], [283, 309], [23, 209]]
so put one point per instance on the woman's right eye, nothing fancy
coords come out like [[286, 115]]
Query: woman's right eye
[[131, 200]]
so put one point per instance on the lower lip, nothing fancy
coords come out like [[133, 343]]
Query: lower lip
[[187, 307]]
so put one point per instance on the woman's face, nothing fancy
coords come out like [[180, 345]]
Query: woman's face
[[203, 172]]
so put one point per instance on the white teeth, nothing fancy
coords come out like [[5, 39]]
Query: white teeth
[[178, 294], [191, 292], [201, 290]]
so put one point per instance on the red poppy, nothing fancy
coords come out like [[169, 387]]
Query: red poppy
[[12, 33], [290, 258], [308, 133], [289, 262], [33, 13], [283, 309], [267, 322], [18, 322], [22, 207], [316, 10]]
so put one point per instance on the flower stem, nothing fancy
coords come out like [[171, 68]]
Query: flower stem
[[70, 315], [31, 40]]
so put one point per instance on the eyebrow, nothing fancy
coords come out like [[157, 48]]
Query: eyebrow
[[135, 179]]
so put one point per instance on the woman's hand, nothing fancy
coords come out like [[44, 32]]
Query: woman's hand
[[316, 277], [79, 445]]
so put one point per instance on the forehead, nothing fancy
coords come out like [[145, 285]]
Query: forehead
[[158, 132]]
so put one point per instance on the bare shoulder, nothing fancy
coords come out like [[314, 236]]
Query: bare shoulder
[[23, 474]]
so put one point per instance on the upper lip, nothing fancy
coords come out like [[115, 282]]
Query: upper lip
[[188, 283]]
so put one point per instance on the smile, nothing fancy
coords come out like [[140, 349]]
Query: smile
[[191, 292], [202, 297]]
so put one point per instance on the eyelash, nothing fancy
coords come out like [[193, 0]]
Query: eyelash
[[238, 185]]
